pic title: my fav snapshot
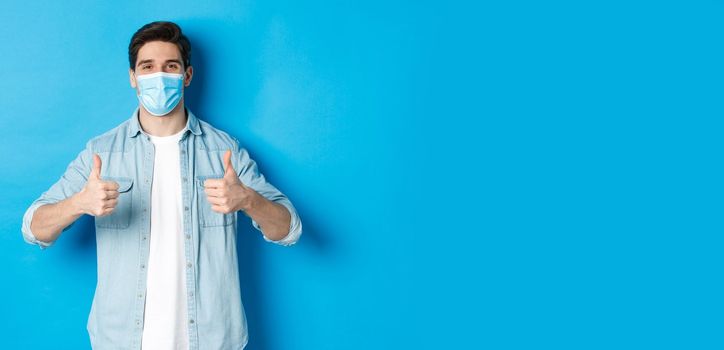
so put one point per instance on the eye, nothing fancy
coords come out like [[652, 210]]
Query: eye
[[146, 67], [173, 66]]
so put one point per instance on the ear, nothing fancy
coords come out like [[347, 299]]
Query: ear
[[132, 78], [188, 76]]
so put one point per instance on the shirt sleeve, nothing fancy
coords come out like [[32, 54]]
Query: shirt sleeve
[[249, 175], [71, 182]]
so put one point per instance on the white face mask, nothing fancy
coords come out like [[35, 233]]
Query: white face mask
[[160, 92]]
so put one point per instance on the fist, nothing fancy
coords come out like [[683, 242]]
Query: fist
[[98, 197], [228, 194]]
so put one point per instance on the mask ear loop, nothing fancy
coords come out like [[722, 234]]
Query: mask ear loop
[[138, 87], [184, 79], [135, 78]]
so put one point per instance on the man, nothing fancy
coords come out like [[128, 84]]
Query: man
[[164, 188]]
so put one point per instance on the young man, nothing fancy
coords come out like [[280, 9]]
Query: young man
[[164, 188]]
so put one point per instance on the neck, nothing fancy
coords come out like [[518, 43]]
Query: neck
[[166, 125]]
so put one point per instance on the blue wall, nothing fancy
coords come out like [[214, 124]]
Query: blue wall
[[519, 175]]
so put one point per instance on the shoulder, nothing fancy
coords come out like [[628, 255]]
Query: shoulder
[[113, 140], [217, 139]]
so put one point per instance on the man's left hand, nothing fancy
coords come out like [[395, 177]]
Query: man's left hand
[[228, 194]]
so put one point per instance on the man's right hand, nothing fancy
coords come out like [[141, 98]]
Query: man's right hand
[[98, 197]]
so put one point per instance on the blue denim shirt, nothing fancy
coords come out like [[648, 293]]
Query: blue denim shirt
[[215, 312]]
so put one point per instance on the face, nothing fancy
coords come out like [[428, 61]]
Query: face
[[159, 56]]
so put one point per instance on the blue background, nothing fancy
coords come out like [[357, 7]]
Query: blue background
[[470, 175]]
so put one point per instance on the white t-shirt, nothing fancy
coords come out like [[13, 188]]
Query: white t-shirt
[[165, 316]]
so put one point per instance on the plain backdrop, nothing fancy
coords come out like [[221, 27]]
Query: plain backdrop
[[470, 175]]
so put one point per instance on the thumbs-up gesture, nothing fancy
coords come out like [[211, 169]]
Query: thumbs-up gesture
[[228, 194], [98, 197]]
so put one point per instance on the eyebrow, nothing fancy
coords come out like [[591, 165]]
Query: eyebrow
[[151, 61]]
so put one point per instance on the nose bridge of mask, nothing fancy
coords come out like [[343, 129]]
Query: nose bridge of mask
[[163, 76]]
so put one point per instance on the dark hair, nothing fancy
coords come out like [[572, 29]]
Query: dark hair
[[159, 31]]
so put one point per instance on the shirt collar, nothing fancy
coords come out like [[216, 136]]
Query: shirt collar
[[192, 123]]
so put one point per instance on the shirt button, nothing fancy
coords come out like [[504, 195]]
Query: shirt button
[[144, 238], [184, 179], [140, 295], [143, 266], [186, 208], [188, 236], [188, 265], [191, 320]]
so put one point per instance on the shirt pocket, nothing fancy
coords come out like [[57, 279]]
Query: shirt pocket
[[121, 215], [207, 216]]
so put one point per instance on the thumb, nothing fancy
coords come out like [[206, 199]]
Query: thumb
[[227, 165], [229, 169], [96, 170]]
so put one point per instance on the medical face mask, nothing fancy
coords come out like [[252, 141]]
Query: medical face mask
[[160, 92]]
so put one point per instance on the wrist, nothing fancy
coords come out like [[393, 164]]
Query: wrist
[[74, 204], [253, 202]]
